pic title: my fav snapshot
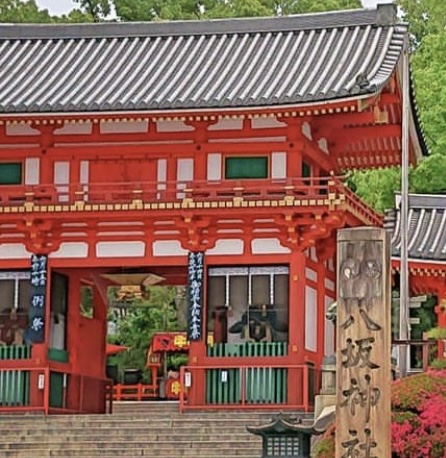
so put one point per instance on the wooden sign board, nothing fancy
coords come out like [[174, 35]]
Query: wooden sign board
[[195, 295], [363, 418]]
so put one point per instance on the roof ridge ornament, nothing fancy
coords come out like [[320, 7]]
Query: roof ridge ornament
[[386, 14]]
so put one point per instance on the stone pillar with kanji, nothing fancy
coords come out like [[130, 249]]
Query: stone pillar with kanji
[[363, 418]]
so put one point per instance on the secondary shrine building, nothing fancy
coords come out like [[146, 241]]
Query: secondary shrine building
[[207, 154]]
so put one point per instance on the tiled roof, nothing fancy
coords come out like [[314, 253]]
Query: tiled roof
[[197, 64], [427, 228]]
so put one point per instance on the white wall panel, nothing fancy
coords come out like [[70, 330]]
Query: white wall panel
[[124, 127], [13, 251], [311, 274], [168, 248], [310, 319], [71, 250], [120, 249], [268, 246], [214, 166], [227, 246], [32, 171], [278, 165]]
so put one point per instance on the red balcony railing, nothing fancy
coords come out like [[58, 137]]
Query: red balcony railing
[[305, 189]]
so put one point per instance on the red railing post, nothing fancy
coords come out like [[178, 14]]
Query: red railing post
[[182, 388], [46, 391], [81, 394], [306, 392]]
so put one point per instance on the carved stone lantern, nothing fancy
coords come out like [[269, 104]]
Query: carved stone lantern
[[287, 437]]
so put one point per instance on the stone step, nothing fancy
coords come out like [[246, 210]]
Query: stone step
[[130, 452], [135, 430], [195, 423], [85, 436], [197, 444]]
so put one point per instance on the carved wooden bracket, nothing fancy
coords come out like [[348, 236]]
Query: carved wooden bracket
[[301, 234], [46, 134], [197, 234], [39, 236]]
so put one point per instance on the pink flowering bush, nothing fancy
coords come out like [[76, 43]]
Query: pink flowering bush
[[418, 419]]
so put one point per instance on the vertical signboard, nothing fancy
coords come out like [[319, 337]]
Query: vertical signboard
[[363, 419], [37, 309], [195, 295]]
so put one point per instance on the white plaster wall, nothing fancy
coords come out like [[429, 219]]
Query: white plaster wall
[[329, 331], [21, 129], [62, 179], [61, 172], [13, 251], [214, 166], [168, 248], [123, 127], [329, 285], [310, 319], [71, 128], [120, 249], [311, 274], [173, 126], [161, 173], [227, 246], [323, 145], [278, 165], [32, 171], [268, 246], [227, 124], [71, 250], [306, 130], [84, 172], [185, 173], [263, 123]]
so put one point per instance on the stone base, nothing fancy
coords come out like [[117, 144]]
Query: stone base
[[322, 401]]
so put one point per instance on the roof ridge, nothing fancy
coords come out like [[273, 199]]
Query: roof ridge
[[383, 15]]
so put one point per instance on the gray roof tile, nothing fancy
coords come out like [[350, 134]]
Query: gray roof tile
[[197, 64], [427, 228]]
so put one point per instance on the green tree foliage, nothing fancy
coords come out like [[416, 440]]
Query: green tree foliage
[[96, 10], [429, 69], [137, 328], [427, 21], [19, 11], [153, 10], [426, 17], [377, 187], [27, 11]]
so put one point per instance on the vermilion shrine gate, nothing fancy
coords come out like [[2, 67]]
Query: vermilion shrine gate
[[206, 153]]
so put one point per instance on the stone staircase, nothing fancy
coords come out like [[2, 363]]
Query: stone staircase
[[151, 429]]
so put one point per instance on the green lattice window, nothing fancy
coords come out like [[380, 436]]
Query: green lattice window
[[246, 167], [10, 173], [306, 170]]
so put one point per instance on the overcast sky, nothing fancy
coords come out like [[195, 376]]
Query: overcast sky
[[64, 6]]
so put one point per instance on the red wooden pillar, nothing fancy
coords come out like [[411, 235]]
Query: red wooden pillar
[[73, 337], [197, 354], [320, 314], [171, 174], [295, 147], [296, 333], [200, 166], [38, 391]]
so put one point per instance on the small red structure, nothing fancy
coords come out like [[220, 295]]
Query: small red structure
[[163, 344]]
